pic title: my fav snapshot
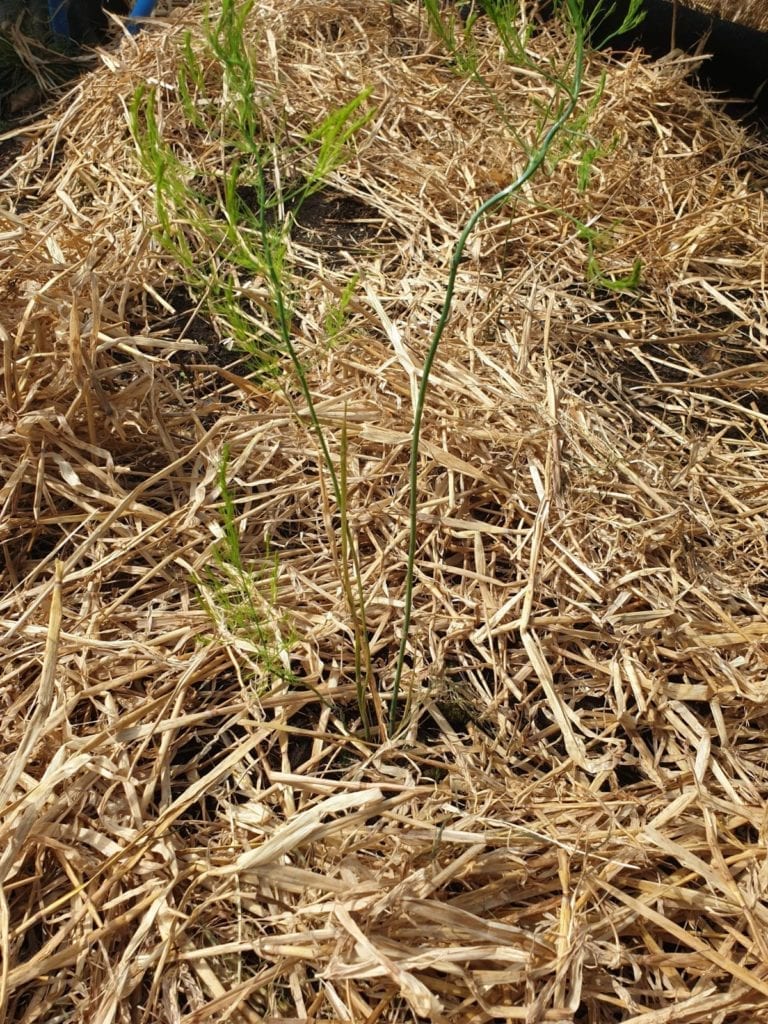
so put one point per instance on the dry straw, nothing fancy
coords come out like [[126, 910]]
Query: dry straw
[[572, 827], [749, 13]]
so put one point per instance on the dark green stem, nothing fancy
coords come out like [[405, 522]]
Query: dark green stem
[[534, 163]]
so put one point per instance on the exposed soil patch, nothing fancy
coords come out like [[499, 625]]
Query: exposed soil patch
[[187, 321], [333, 222]]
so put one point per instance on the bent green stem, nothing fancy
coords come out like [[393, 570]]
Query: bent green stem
[[534, 163]]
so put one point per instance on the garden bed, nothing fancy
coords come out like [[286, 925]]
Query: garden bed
[[213, 804]]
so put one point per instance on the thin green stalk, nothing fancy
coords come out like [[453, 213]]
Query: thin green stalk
[[283, 319], [534, 163]]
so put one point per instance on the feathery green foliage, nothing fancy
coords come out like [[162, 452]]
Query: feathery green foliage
[[229, 224], [240, 600]]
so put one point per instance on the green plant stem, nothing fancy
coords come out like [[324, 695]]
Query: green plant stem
[[534, 163]]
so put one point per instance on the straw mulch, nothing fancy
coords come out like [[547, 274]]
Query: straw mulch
[[751, 13], [572, 825]]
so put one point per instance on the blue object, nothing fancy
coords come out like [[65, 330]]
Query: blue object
[[58, 15], [141, 9]]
